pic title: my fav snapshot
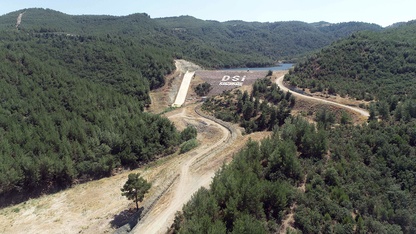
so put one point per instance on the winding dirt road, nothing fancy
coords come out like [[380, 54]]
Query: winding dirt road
[[193, 170], [279, 82], [98, 207], [197, 168], [189, 174], [92, 207]]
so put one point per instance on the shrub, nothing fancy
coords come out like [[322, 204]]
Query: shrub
[[188, 133], [203, 89], [189, 145]]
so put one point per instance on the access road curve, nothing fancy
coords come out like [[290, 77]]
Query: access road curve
[[190, 172], [279, 82]]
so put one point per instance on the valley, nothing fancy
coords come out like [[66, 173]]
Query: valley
[[99, 206], [328, 146]]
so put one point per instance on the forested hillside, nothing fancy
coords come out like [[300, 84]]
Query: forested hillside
[[233, 43], [358, 180], [73, 88], [368, 65], [333, 178], [209, 43], [71, 109]]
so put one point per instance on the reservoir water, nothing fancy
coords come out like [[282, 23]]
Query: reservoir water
[[283, 66]]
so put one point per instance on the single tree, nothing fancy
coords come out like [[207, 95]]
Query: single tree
[[135, 188]]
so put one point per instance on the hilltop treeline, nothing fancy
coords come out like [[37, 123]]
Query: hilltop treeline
[[367, 65], [209, 43]]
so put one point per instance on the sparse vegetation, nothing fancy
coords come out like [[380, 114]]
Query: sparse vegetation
[[188, 145], [265, 107]]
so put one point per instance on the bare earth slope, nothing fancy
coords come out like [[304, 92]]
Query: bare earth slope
[[190, 178]]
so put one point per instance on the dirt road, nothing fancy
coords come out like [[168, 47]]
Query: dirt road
[[279, 82], [191, 175], [96, 206]]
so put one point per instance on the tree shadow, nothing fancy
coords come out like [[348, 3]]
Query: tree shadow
[[16, 197], [126, 220]]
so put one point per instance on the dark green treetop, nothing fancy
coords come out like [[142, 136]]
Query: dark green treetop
[[135, 188]]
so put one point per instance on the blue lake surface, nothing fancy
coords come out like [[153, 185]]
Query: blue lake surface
[[283, 66]]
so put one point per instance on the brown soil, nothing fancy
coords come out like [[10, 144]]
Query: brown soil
[[289, 220], [195, 169], [307, 108]]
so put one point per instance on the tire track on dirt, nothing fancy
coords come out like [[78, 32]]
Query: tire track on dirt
[[232, 137], [161, 215]]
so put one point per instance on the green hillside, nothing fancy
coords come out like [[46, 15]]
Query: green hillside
[[209, 43], [254, 43], [357, 180], [73, 88], [333, 178], [368, 65], [71, 109]]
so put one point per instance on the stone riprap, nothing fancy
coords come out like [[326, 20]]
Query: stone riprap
[[228, 79]]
